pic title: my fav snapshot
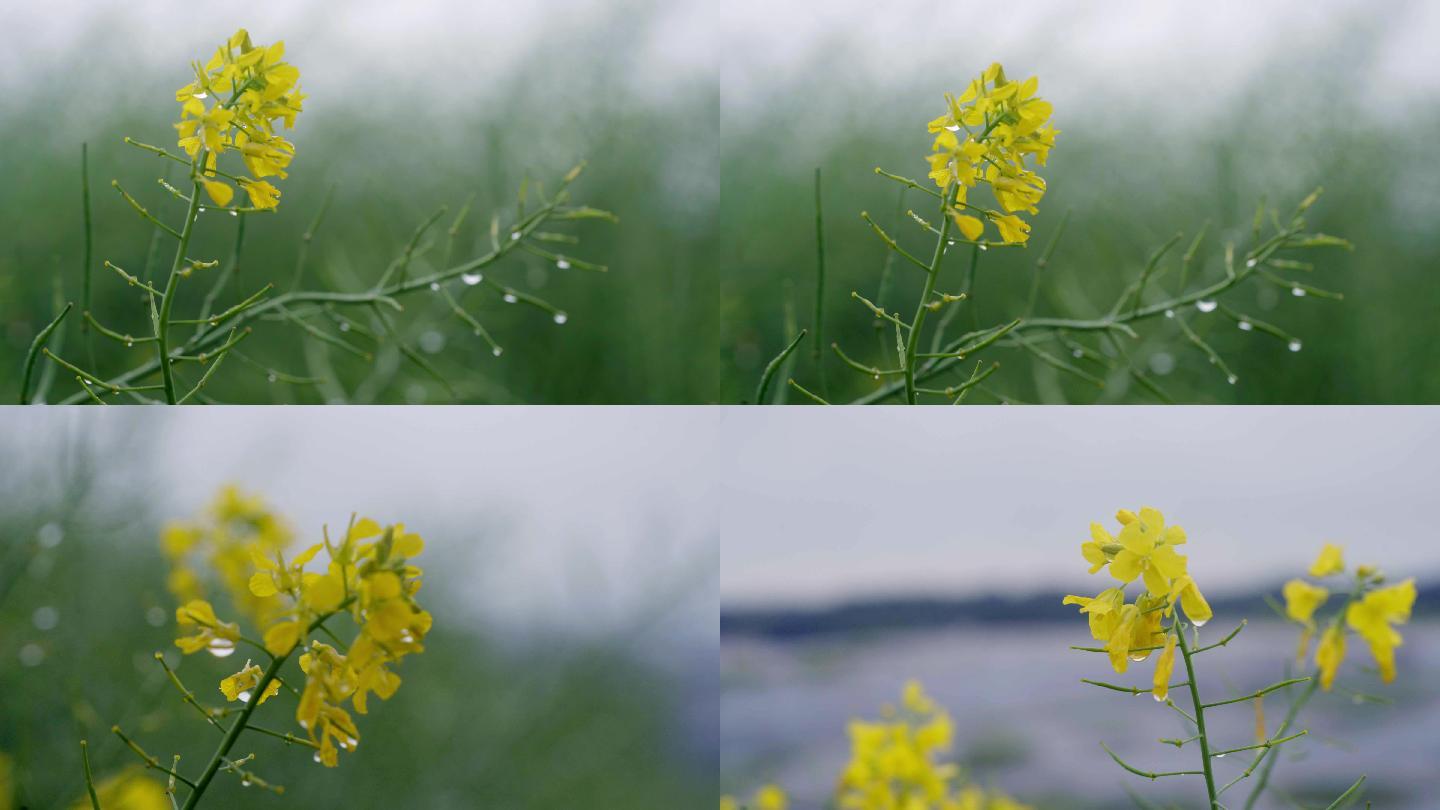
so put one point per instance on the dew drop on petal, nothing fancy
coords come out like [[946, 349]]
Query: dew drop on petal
[[317, 756], [471, 279], [244, 697], [1205, 306]]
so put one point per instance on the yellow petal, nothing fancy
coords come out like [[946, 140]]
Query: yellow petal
[[1164, 666], [219, 192], [282, 638], [262, 584], [1330, 561]]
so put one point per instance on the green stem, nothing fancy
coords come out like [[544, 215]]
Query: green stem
[[89, 779], [1199, 716], [912, 344], [162, 327]]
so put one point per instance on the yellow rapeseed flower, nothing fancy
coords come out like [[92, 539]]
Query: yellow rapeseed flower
[[1330, 654], [1003, 124], [1302, 600], [240, 685], [1330, 561], [234, 102], [209, 632], [1164, 667], [1373, 616]]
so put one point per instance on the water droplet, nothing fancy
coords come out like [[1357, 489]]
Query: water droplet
[[1222, 756], [31, 655], [1076, 353], [1231, 378], [1294, 346], [50, 535], [1159, 699], [45, 618], [514, 235], [510, 298], [1205, 306], [199, 211], [1298, 292], [950, 243], [497, 351], [344, 326], [432, 342], [1199, 623], [155, 616], [1246, 326], [221, 648], [352, 743], [244, 697], [245, 781], [1162, 363], [1139, 657], [129, 344], [471, 279], [434, 286], [564, 264], [234, 213], [271, 377], [561, 317], [1169, 313], [317, 756], [1250, 262], [953, 127], [984, 247]]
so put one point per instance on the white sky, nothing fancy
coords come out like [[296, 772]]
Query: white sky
[[826, 504]]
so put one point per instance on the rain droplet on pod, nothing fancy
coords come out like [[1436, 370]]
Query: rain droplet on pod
[[1298, 292], [1231, 379], [1294, 345], [1250, 262], [1206, 306], [471, 279], [1246, 326], [514, 235], [562, 263], [1169, 313], [497, 351], [561, 317], [510, 298], [434, 286], [271, 377]]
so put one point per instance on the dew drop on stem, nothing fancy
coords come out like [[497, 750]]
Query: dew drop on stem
[[510, 298], [497, 351], [1206, 306], [435, 286], [561, 317], [471, 279], [1298, 292], [1294, 346], [1246, 326], [562, 263]]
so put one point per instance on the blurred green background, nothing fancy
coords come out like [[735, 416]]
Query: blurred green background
[[1170, 117], [409, 108], [540, 686]]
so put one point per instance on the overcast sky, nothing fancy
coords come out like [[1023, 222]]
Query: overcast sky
[[828, 504]]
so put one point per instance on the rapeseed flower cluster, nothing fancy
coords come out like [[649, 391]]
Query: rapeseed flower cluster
[[1145, 549], [893, 762], [234, 103], [368, 575], [986, 136], [1372, 611], [216, 551]]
